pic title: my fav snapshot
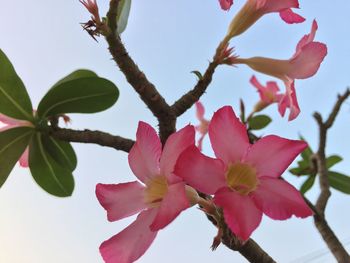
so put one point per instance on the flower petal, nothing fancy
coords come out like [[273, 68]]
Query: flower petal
[[226, 4], [8, 120], [306, 39], [121, 200], [203, 173], [280, 200], [271, 155], [200, 142], [131, 243], [289, 100], [23, 160], [228, 135], [308, 61], [267, 94], [174, 202], [254, 81], [269, 6], [174, 146], [199, 110], [240, 212], [145, 153], [290, 17]]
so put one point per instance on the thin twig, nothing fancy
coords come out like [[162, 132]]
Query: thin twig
[[324, 126], [187, 100], [321, 224], [95, 137]]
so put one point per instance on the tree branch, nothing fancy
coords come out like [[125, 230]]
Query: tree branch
[[187, 100], [321, 224], [166, 115], [250, 249], [320, 156], [96, 137], [137, 79]]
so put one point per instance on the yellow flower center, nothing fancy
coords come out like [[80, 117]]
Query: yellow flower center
[[156, 189], [241, 178]]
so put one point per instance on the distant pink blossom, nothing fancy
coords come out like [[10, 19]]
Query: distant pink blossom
[[159, 199], [10, 123], [226, 4], [268, 94], [303, 64], [253, 10], [202, 128], [244, 178]]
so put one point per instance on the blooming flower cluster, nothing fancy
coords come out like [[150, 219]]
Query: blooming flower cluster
[[303, 64], [243, 181]]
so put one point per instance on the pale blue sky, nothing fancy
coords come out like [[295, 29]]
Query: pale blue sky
[[168, 39]]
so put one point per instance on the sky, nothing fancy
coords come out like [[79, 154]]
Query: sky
[[167, 39]]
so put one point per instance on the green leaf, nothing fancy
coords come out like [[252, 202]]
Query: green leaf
[[49, 175], [298, 171], [309, 182], [198, 74], [62, 152], [14, 99], [306, 154], [123, 15], [340, 182], [13, 142], [333, 160], [302, 169], [259, 122], [83, 95], [78, 74]]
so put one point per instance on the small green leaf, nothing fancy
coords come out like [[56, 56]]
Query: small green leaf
[[333, 160], [198, 74], [259, 122], [298, 171], [307, 153], [14, 99], [340, 182], [78, 74], [83, 95], [62, 152], [302, 169], [13, 142], [49, 175], [123, 15], [309, 182]]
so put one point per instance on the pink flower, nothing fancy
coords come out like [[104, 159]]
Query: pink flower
[[13, 123], [245, 178], [202, 128], [304, 64], [255, 9], [268, 94], [159, 200], [226, 4]]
